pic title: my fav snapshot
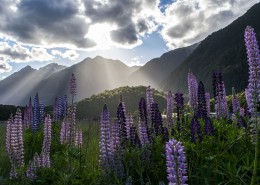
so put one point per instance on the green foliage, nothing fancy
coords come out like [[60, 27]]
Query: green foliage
[[90, 108]]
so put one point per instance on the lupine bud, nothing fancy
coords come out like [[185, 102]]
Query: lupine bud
[[121, 117], [149, 101], [193, 91], [104, 143], [143, 111], [36, 114], [202, 109], [208, 126], [156, 118], [46, 146], [55, 109], [143, 134], [176, 163], [73, 87]]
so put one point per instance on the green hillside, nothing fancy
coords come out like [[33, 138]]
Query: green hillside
[[224, 51], [90, 108]]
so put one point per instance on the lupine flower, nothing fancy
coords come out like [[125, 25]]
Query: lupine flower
[[156, 118], [169, 110], [217, 91], [143, 111], [20, 152], [41, 109], [207, 98], [253, 88], [78, 138], [176, 163], [46, 146], [129, 124], [196, 135], [104, 143], [202, 108], [223, 102], [73, 87], [55, 110], [71, 125], [60, 108], [149, 101], [165, 134], [179, 102], [193, 91], [121, 117], [115, 153], [36, 114], [208, 126], [65, 132], [143, 134], [64, 106], [14, 143], [31, 171], [241, 122]]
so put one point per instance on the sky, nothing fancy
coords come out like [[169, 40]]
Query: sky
[[39, 32]]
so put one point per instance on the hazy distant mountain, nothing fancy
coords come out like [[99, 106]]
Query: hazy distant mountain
[[15, 88], [157, 69], [223, 50], [93, 76]]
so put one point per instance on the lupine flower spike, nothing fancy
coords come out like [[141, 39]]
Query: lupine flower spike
[[176, 163]]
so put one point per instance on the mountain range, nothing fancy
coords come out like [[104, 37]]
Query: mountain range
[[223, 51]]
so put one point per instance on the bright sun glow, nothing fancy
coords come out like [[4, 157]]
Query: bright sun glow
[[100, 34]]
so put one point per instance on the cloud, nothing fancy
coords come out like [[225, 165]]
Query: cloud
[[69, 54], [135, 61], [4, 67], [66, 23], [18, 53], [190, 21]]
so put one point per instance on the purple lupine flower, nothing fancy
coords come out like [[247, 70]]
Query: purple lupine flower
[[223, 102], [241, 122], [46, 146], [121, 117], [179, 102], [60, 106], [20, 152], [129, 124], [149, 101], [41, 109], [104, 144], [218, 92], [73, 87], [156, 118], [208, 126], [207, 98], [55, 109], [176, 163], [14, 142], [78, 138], [169, 110], [64, 106], [235, 102], [71, 123], [196, 135], [115, 139], [65, 132], [202, 108], [31, 171], [36, 114], [143, 134], [143, 111], [165, 134], [193, 91]]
